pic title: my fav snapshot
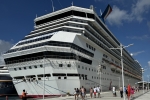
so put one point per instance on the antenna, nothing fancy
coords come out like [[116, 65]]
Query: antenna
[[100, 12], [72, 3], [60, 3], [36, 15], [52, 5]]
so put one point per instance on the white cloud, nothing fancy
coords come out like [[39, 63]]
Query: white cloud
[[148, 24], [149, 63], [137, 53], [4, 46], [144, 37], [138, 9], [117, 16]]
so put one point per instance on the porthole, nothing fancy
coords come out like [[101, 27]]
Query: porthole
[[78, 66], [41, 66], [60, 65], [35, 66], [30, 67], [69, 65]]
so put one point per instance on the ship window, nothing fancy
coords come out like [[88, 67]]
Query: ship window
[[70, 74], [30, 67], [78, 66], [69, 65], [25, 68], [51, 54], [89, 69], [19, 77], [47, 75], [92, 77], [39, 78], [59, 74], [94, 49], [86, 45], [41, 66], [30, 76], [89, 46], [19, 68], [59, 77], [40, 75], [85, 77], [82, 67], [92, 69], [65, 77], [35, 66], [85, 68], [60, 65], [15, 69]]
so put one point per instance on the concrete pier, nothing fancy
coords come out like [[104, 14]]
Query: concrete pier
[[104, 96]]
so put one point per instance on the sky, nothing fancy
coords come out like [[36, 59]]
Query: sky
[[129, 21]]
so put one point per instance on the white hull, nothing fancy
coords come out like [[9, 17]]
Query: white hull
[[56, 87]]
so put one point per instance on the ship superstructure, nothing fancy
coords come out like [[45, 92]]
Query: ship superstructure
[[6, 84], [66, 50]]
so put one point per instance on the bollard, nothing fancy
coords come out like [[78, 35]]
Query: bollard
[[6, 98]]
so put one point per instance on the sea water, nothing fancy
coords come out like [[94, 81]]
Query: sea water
[[10, 98]]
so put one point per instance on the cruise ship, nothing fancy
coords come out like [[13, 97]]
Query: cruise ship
[[6, 84], [67, 49]]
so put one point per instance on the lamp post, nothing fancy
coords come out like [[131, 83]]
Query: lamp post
[[100, 70], [148, 81], [119, 81], [52, 5], [142, 69], [121, 48], [128, 80], [43, 79]]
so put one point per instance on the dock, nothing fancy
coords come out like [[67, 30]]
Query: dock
[[105, 96]]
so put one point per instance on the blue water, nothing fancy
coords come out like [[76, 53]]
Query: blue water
[[10, 98]]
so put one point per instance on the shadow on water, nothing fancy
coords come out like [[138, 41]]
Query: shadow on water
[[9, 98]]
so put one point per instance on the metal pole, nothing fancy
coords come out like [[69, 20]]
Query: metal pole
[[119, 82], [100, 81], [100, 68], [43, 80], [121, 47], [143, 82], [122, 70], [148, 83], [52, 5]]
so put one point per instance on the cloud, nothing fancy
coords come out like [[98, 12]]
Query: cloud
[[137, 53], [148, 24], [137, 12], [4, 46], [138, 9], [149, 63], [118, 16], [144, 37]]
